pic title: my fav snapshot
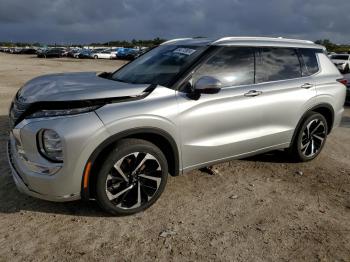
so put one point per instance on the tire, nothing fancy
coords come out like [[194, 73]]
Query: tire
[[95, 57], [310, 138], [347, 69], [122, 178]]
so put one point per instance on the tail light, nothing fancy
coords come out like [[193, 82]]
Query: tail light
[[343, 81]]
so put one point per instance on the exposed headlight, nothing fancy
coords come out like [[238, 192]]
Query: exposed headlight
[[62, 112], [50, 145]]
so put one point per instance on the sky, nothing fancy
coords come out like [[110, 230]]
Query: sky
[[87, 21]]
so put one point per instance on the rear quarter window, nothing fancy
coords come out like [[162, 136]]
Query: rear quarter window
[[310, 61]]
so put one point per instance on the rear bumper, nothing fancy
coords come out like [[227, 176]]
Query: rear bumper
[[338, 117]]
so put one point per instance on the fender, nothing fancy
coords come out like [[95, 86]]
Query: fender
[[85, 191]]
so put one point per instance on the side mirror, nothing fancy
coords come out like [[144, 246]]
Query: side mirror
[[207, 85]]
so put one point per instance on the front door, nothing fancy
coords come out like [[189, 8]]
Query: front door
[[217, 126]]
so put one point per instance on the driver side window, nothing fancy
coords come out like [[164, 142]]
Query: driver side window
[[233, 66]]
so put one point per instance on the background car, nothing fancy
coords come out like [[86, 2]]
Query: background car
[[105, 54], [27, 51], [51, 52], [136, 53], [97, 50], [123, 53], [15, 50], [85, 53], [342, 62], [347, 83], [75, 53]]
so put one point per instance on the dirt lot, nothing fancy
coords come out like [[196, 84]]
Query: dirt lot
[[259, 209]]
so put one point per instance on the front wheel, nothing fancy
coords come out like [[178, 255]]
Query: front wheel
[[132, 177], [310, 137]]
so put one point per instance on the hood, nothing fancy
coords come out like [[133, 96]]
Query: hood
[[75, 87]]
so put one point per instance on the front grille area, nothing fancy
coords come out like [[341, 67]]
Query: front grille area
[[17, 111]]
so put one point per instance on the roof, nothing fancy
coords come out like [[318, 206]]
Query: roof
[[246, 41]]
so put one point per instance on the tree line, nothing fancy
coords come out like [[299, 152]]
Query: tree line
[[124, 43], [332, 47]]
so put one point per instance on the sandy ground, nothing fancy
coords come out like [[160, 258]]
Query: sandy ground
[[257, 209]]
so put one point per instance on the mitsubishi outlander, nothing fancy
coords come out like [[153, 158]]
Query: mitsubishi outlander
[[186, 104]]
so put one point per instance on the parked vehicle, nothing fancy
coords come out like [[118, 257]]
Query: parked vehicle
[[105, 54], [15, 50], [5, 49], [84, 54], [347, 83], [51, 52], [186, 104], [133, 54], [74, 53], [125, 53], [27, 51], [96, 50], [342, 61]]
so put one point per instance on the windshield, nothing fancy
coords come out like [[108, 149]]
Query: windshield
[[340, 57], [159, 66]]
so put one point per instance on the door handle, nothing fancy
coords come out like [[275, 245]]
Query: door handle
[[307, 85], [253, 93]]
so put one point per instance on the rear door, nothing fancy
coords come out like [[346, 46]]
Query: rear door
[[286, 92]]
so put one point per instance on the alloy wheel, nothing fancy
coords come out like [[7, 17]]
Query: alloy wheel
[[133, 180], [313, 138]]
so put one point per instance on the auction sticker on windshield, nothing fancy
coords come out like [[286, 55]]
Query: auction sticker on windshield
[[184, 51]]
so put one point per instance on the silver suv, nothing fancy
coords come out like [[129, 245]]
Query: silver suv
[[186, 104]]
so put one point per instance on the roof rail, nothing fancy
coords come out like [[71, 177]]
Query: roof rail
[[175, 40], [237, 38], [296, 40]]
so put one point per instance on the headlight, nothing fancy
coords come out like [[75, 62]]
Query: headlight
[[50, 145], [62, 112]]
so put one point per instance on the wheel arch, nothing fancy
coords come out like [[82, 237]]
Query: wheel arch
[[157, 136], [324, 109]]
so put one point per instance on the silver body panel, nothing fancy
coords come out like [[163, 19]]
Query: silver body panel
[[212, 129], [75, 86]]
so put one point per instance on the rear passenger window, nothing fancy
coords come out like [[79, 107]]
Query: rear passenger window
[[233, 66], [277, 64], [310, 61]]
